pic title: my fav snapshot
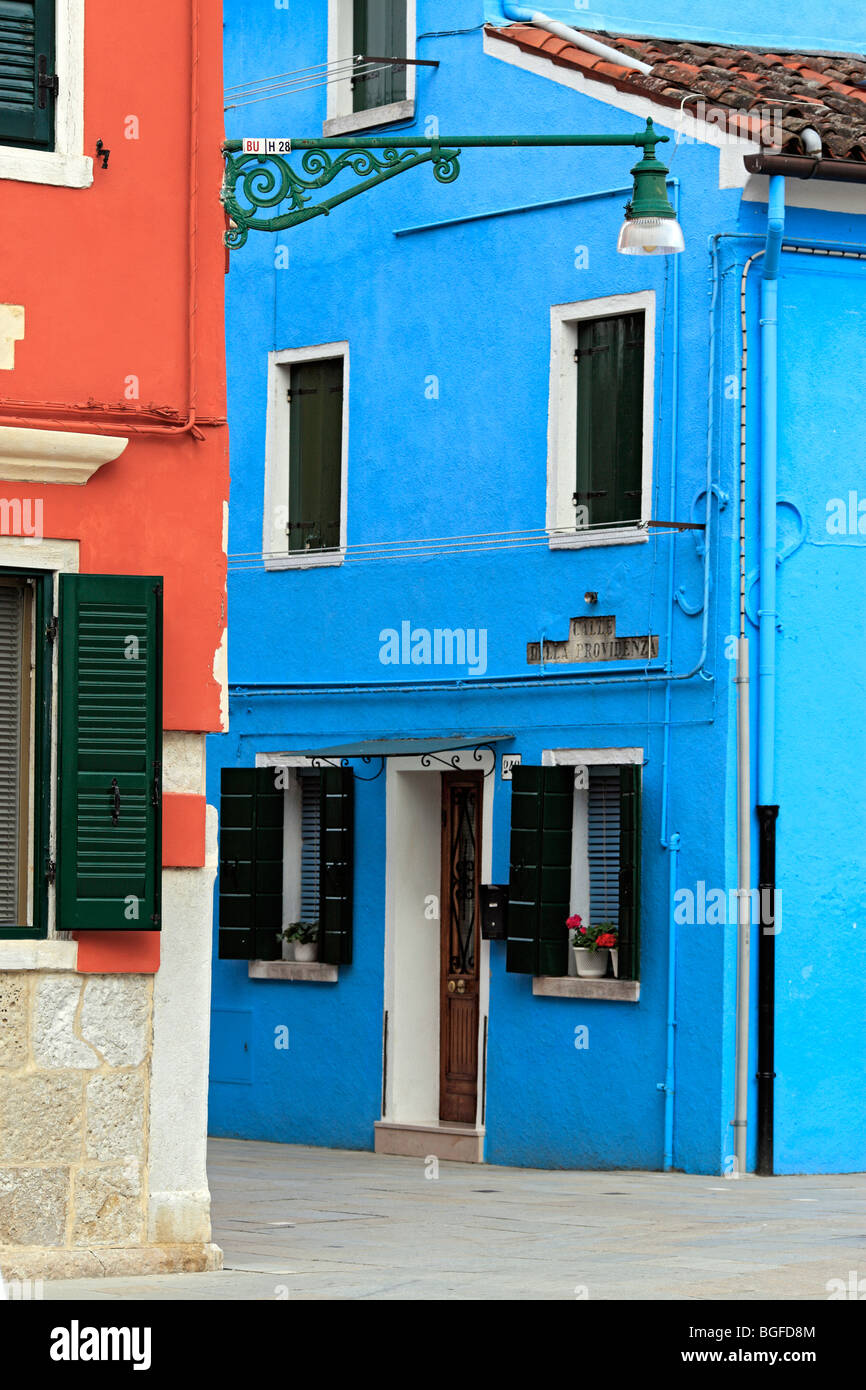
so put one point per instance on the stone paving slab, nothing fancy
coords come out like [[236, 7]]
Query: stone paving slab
[[316, 1224]]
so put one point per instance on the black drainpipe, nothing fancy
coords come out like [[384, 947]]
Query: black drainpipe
[[766, 983]]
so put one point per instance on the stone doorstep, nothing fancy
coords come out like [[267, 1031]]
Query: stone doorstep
[[39, 1262], [459, 1143]]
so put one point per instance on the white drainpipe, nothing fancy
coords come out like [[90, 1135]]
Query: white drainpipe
[[563, 31]]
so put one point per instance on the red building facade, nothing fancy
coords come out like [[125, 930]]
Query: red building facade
[[113, 496]]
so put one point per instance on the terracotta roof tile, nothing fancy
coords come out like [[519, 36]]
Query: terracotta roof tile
[[824, 91]]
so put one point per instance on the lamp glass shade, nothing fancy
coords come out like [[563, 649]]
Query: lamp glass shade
[[650, 236]]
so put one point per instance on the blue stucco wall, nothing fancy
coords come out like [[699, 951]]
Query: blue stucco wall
[[470, 305]]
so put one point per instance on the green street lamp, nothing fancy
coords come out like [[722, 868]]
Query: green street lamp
[[650, 227], [263, 192]]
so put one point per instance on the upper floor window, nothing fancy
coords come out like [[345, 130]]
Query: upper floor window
[[360, 97], [305, 472], [601, 417], [28, 79], [379, 28], [42, 93]]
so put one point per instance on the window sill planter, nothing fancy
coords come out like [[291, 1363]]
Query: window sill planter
[[306, 951], [288, 950], [591, 965]]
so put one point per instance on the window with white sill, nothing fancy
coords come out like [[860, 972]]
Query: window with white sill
[[600, 435], [365, 94], [42, 92], [575, 851]]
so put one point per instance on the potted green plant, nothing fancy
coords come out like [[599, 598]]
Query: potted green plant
[[306, 941], [287, 937], [592, 946]]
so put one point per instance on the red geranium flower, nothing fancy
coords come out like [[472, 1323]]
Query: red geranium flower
[[573, 922], [606, 938]]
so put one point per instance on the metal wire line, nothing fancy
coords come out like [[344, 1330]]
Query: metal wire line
[[519, 534], [258, 561], [366, 71]]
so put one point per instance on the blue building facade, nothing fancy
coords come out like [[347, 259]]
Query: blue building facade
[[430, 690]]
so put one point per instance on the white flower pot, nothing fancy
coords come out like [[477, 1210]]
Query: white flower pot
[[310, 951], [591, 965], [288, 950], [614, 956]]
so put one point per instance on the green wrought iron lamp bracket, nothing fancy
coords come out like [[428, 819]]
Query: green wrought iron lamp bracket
[[263, 193]]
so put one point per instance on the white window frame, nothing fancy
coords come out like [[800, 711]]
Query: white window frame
[[341, 119], [65, 166], [562, 419], [274, 535]]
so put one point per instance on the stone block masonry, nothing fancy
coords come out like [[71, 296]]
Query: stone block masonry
[[75, 1066]]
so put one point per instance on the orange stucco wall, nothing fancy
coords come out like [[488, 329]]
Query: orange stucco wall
[[103, 274]]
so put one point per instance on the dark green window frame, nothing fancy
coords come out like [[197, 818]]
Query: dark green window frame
[[610, 357], [542, 811], [315, 391], [252, 810], [28, 76], [43, 607], [379, 28]]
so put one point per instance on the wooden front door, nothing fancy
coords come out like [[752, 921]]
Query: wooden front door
[[460, 937]]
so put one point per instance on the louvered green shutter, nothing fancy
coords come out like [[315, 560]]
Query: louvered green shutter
[[109, 849], [11, 638], [542, 813], [380, 31], [250, 863], [610, 367], [629, 872], [336, 849], [27, 71], [315, 454]]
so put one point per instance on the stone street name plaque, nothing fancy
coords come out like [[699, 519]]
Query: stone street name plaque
[[593, 639]]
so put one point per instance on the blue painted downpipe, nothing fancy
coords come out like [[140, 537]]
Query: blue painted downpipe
[[769, 434], [766, 809], [671, 1025]]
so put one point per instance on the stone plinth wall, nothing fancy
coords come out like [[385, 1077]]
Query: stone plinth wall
[[75, 1062], [74, 1052]]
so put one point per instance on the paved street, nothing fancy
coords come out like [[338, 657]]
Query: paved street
[[304, 1223]]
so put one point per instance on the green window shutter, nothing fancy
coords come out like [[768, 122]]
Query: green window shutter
[[11, 720], [610, 379], [250, 864], [336, 864], [315, 454], [629, 872], [542, 813], [27, 98], [379, 28], [109, 843]]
